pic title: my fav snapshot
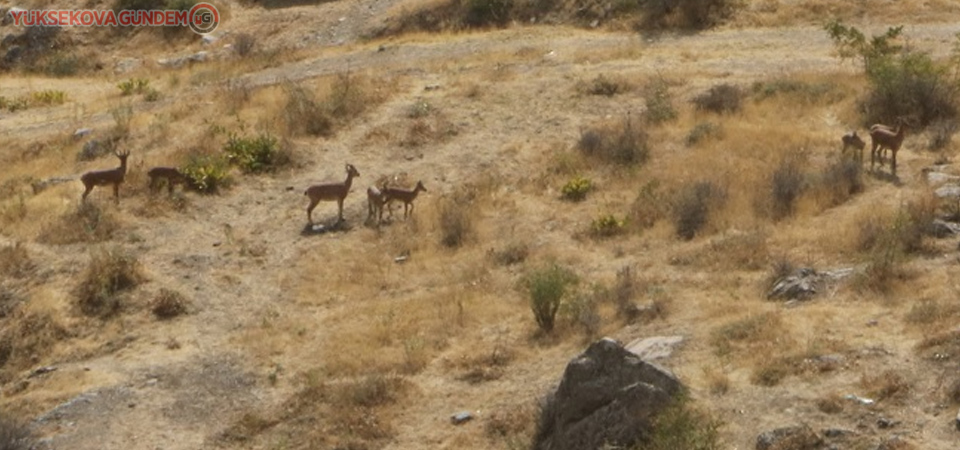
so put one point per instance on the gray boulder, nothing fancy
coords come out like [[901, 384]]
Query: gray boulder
[[790, 438], [608, 396]]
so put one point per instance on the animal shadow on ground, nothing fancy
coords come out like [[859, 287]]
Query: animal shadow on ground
[[887, 176], [329, 226]]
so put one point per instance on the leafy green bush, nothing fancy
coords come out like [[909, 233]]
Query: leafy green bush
[[606, 225], [253, 154], [49, 97], [547, 287], [576, 189], [905, 84], [206, 174]]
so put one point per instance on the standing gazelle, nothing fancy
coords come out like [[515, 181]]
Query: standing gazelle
[[330, 192], [407, 197], [105, 177]]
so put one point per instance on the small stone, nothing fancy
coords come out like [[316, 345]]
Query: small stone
[[81, 132], [461, 417], [883, 423]]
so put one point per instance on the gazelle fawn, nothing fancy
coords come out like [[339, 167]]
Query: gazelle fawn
[[170, 174], [851, 140], [330, 192], [105, 177], [391, 194]]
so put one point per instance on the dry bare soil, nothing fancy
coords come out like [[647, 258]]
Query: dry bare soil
[[299, 340]]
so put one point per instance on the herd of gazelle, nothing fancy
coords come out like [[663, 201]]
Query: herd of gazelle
[[378, 197], [882, 137]]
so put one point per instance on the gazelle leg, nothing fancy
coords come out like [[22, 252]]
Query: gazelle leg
[[86, 192], [313, 204]]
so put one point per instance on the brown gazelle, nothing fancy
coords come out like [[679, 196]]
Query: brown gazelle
[[407, 197], [170, 174], [882, 137], [105, 177], [851, 140], [330, 192]]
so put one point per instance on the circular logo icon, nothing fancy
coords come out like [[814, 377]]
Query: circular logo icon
[[204, 18]]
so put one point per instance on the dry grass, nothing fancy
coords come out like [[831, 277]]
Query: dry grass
[[888, 385], [15, 261], [169, 304], [28, 338], [110, 272], [88, 223]]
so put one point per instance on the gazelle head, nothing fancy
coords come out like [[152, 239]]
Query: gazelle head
[[352, 171], [419, 187], [122, 155]]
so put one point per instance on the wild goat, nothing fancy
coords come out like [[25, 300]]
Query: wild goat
[[330, 192], [882, 137], [104, 177], [851, 140], [406, 196], [170, 174]]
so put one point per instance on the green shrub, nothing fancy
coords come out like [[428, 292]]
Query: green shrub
[[133, 86], [701, 131], [254, 154], [49, 97], [456, 220], [547, 287], [659, 102], [606, 225], [576, 189], [206, 174], [109, 272], [905, 84]]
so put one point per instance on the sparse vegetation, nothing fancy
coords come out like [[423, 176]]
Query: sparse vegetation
[[701, 131], [207, 174], [15, 262], [88, 223], [787, 183], [621, 144], [110, 272], [607, 225], [721, 99], [302, 114], [168, 304], [244, 44], [682, 426], [693, 205], [659, 102], [605, 86], [547, 287], [456, 219], [133, 86]]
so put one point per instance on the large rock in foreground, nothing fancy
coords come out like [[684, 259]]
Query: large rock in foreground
[[608, 397]]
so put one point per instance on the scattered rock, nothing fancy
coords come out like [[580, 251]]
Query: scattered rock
[[883, 423], [858, 399], [835, 433], [789, 438], [608, 396], [653, 348], [461, 417], [42, 370], [200, 56], [209, 39], [941, 228], [431, 87], [948, 191], [125, 65], [804, 283], [82, 132], [935, 177]]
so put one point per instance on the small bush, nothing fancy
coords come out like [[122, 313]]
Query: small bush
[[168, 304], [886, 385], [745, 331], [787, 183], [207, 174], [941, 133], [15, 262], [514, 253], [606, 225], [623, 144], [581, 311], [659, 102], [547, 287], [88, 223], [840, 181], [48, 97], [243, 44], [62, 64], [683, 427], [456, 223], [701, 131], [133, 86], [722, 98], [302, 114], [576, 189], [805, 92], [607, 87], [348, 97], [692, 208], [419, 109], [14, 435], [152, 95], [254, 154], [109, 272], [484, 13], [373, 390], [649, 207]]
